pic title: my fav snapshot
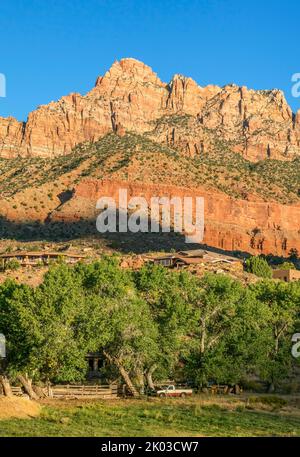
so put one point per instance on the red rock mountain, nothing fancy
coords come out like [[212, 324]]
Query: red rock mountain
[[131, 97], [167, 135]]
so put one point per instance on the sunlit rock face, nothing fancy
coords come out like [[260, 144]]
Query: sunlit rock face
[[131, 97]]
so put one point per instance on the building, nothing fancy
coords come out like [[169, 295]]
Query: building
[[181, 261], [35, 258], [95, 363], [287, 275], [194, 257], [165, 261]]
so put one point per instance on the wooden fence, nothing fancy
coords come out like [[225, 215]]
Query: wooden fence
[[17, 391], [84, 391]]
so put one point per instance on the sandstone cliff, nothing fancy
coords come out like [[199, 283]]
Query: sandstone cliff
[[171, 139], [131, 97], [233, 225]]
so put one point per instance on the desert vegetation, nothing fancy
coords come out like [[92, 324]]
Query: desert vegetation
[[143, 157]]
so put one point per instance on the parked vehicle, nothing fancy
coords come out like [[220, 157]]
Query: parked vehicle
[[172, 391]]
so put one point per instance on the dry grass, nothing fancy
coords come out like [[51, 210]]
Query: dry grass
[[20, 408]]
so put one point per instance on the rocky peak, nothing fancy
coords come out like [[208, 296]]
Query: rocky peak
[[186, 96], [131, 97], [128, 69]]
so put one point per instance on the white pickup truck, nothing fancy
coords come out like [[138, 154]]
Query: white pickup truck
[[172, 391]]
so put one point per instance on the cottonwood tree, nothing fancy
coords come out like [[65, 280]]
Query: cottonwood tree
[[45, 339], [282, 306], [146, 324], [164, 291], [60, 305], [243, 347], [133, 339], [19, 323], [124, 328], [215, 300]]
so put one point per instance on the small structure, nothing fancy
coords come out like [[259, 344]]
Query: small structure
[[194, 257], [95, 363], [185, 261], [34, 258], [165, 261], [287, 275]]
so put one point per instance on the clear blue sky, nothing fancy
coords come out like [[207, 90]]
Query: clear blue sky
[[50, 48]]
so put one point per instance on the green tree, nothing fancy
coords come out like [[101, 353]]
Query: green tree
[[46, 341], [217, 337], [63, 344], [19, 324], [282, 303], [164, 290], [126, 332], [258, 266]]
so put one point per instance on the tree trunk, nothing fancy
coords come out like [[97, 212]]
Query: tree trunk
[[140, 381], [271, 388], [149, 374], [123, 372], [127, 380], [203, 336], [4, 381], [40, 392], [27, 384]]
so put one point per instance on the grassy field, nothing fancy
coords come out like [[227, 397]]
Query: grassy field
[[198, 416]]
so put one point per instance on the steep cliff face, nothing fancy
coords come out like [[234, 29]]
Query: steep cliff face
[[11, 136], [230, 224], [252, 216], [175, 139], [130, 97]]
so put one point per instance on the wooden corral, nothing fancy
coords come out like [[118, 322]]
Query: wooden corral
[[85, 391]]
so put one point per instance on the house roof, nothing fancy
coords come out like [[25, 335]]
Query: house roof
[[192, 253], [216, 257], [160, 257], [198, 255], [189, 261]]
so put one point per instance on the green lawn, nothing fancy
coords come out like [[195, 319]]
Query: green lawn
[[156, 417]]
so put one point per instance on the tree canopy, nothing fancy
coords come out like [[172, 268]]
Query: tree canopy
[[154, 323]]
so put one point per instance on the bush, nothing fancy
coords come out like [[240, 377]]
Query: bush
[[12, 264], [259, 267], [285, 266]]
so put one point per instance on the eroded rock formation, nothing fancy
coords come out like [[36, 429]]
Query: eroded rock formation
[[230, 224], [130, 96]]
